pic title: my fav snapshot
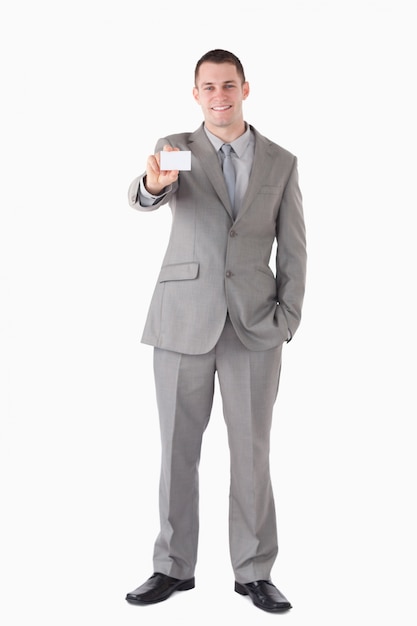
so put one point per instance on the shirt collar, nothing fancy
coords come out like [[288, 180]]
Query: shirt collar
[[239, 145]]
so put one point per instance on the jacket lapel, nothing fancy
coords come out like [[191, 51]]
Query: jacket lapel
[[261, 165], [201, 147]]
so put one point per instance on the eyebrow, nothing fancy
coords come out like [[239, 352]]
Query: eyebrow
[[226, 82]]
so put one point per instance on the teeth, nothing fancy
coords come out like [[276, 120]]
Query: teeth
[[220, 108]]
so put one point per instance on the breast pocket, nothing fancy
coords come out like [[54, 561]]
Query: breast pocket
[[271, 190]]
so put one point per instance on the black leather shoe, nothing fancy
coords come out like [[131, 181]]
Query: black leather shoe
[[158, 588], [264, 595]]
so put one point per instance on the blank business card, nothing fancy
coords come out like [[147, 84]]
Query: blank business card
[[175, 160]]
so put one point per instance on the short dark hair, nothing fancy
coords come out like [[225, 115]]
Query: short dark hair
[[220, 56]]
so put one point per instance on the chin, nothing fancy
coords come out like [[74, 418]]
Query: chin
[[221, 123]]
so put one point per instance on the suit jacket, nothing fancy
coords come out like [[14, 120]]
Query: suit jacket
[[216, 265]]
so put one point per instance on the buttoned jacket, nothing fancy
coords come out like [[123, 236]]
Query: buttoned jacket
[[215, 265]]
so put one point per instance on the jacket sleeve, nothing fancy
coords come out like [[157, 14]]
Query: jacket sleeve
[[291, 256], [142, 202]]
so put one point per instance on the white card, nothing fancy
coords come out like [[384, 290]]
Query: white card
[[175, 160]]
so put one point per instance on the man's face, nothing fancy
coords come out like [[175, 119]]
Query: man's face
[[220, 93]]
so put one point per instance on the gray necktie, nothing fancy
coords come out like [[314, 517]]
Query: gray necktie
[[229, 172]]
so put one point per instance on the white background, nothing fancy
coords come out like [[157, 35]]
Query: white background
[[87, 89]]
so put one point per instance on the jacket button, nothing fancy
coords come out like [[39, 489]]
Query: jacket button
[[233, 233], [228, 274]]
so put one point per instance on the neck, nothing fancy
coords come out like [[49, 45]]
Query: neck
[[227, 133]]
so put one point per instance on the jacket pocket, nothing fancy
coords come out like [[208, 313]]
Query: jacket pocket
[[179, 271], [265, 270]]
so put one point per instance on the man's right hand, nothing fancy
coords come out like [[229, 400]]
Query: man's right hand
[[157, 179]]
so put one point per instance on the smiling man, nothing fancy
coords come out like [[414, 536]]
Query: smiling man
[[220, 90], [219, 309]]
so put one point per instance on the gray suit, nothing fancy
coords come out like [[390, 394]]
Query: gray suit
[[218, 306]]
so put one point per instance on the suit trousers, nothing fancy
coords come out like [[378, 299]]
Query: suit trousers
[[248, 382]]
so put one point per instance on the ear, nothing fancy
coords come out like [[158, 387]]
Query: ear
[[245, 90], [196, 95]]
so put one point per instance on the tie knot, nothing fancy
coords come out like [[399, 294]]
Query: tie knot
[[226, 149]]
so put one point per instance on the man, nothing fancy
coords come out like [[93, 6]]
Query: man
[[218, 307]]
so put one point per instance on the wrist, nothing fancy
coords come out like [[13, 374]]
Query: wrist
[[152, 189]]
